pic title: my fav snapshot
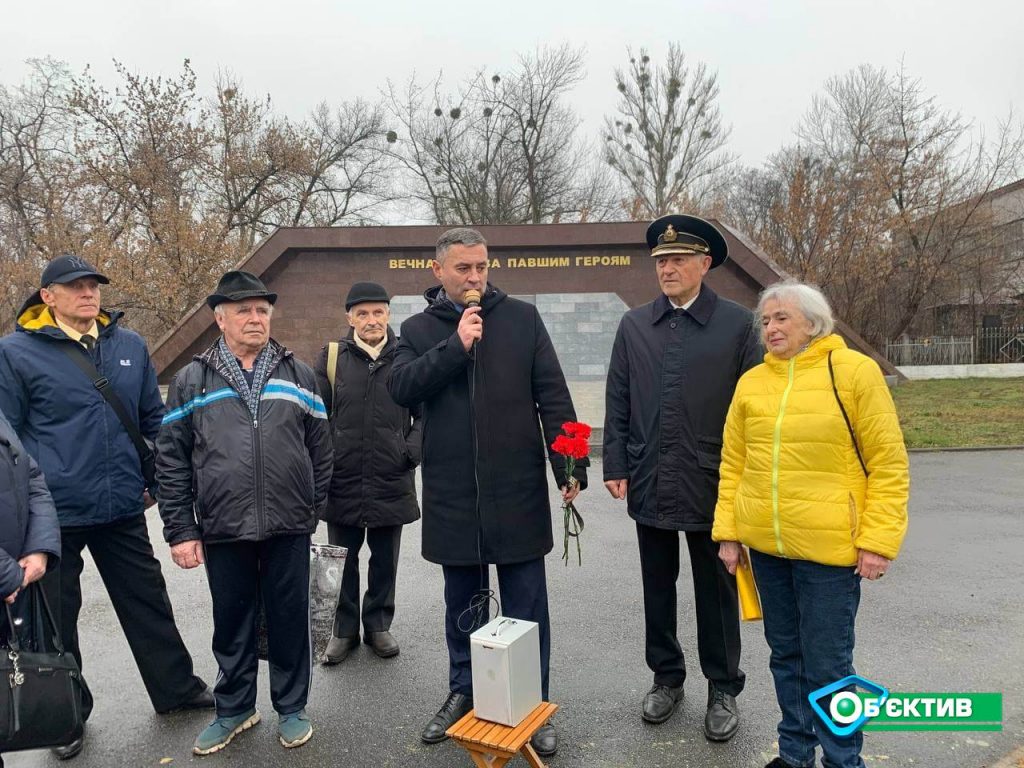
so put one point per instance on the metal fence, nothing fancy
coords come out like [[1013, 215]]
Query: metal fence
[[988, 345], [1000, 345], [933, 350]]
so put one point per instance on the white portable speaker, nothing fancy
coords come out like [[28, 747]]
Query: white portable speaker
[[506, 670]]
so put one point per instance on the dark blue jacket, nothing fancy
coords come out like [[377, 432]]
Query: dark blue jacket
[[90, 463], [670, 382], [228, 473], [28, 520]]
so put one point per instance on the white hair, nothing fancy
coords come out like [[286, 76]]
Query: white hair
[[218, 311], [809, 301]]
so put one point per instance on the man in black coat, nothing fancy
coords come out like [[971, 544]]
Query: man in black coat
[[484, 374], [674, 366], [373, 488]]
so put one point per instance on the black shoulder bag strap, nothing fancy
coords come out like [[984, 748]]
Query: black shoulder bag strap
[[846, 418], [102, 383]]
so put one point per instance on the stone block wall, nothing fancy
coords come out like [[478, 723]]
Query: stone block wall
[[582, 327]]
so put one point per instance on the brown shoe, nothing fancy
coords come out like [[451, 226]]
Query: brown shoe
[[382, 643], [339, 648]]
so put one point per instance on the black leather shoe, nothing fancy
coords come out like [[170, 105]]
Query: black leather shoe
[[382, 643], [455, 707], [778, 762], [660, 703], [545, 740], [202, 700], [723, 717], [338, 649], [70, 750]]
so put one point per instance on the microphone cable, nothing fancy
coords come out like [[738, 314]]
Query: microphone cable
[[479, 605]]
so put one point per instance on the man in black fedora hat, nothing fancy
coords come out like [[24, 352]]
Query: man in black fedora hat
[[376, 450], [65, 349], [675, 363], [244, 463]]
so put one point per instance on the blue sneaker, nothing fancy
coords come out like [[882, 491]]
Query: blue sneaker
[[294, 730], [221, 731]]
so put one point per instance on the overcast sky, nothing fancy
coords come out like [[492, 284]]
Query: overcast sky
[[771, 57]]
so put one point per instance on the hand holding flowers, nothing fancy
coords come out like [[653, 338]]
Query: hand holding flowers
[[574, 445]]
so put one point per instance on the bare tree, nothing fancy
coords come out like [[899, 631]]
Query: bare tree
[[38, 185], [502, 149], [163, 188], [344, 171], [822, 227], [667, 140], [143, 155], [935, 172], [885, 202], [250, 150]]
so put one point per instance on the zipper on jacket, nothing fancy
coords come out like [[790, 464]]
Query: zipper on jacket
[[776, 448], [369, 404], [257, 451]]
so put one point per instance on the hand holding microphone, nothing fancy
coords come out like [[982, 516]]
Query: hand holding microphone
[[471, 326]]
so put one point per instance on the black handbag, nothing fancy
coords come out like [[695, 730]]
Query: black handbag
[[41, 692]]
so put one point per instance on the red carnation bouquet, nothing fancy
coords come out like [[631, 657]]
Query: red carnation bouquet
[[574, 445]]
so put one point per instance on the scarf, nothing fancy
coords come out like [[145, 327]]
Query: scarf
[[261, 373]]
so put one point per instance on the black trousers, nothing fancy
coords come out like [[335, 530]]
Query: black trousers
[[241, 574], [524, 595], [131, 574], [379, 602], [718, 624]]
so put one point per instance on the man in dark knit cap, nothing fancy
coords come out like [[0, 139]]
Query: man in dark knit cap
[[376, 450]]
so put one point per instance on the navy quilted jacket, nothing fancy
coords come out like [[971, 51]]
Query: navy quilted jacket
[[90, 463]]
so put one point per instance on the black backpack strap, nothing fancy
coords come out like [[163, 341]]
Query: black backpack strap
[[846, 418], [102, 383]]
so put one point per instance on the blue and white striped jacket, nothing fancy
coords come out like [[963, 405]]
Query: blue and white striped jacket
[[227, 473]]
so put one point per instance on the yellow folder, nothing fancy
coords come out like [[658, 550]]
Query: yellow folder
[[750, 601]]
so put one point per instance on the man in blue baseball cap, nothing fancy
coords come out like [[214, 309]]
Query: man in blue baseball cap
[[54, 367]]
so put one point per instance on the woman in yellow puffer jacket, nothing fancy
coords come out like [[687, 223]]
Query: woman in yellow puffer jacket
[[814, 479]]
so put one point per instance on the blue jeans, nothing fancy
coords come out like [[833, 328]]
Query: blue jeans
[[809, 612]]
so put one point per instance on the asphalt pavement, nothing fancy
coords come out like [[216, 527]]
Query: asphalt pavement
[[948, 617]]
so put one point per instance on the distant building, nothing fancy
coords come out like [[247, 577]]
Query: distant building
[[991, 295]]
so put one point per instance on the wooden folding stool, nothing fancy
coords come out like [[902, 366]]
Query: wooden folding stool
[[491, 745]]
